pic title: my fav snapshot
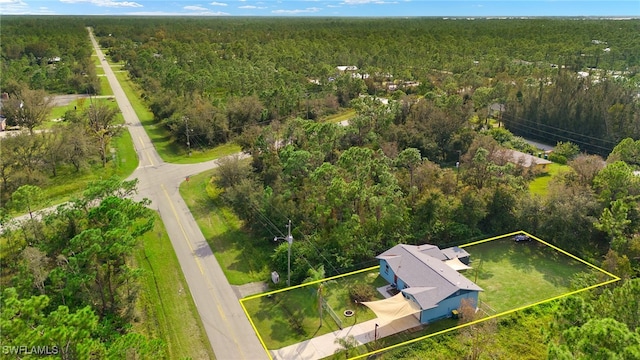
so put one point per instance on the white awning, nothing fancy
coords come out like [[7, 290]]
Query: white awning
[[392, 308], [457, 265]]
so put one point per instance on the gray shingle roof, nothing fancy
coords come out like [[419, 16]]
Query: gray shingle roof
[[430, 280], [454, 252]]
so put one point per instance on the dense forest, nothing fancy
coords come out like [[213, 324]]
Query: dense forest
[[224, 74], [35, 55], [432, 103]]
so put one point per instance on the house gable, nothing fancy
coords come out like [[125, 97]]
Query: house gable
[[420, 271]]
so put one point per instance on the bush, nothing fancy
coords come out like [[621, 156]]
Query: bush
[[362, 292], [557, 158]]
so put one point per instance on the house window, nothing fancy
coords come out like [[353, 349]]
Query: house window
[[386, 268]]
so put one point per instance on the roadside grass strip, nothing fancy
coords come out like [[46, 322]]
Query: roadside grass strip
[[165, 307], [514, 276]]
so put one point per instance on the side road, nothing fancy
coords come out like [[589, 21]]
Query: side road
[[226, 325]]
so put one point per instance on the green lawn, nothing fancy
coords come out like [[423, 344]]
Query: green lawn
[[291, 316], [79, 104], [540, 184], [243, 259], [165, 308], [341, 116], [514, 275], [105, 88]]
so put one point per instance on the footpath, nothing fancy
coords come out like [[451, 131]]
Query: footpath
[[325, 345]]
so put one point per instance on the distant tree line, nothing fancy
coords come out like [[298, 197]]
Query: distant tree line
[[594, 112], [287, 68]]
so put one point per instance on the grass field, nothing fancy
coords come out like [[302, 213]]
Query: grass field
[[339, 117], [540, 185], [289, 317], [243, 259], [165, 307], [105, 88], [514, 274]]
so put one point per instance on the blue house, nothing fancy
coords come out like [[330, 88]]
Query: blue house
[[429, 277]]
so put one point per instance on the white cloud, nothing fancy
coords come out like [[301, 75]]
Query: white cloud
[[105, 3], [13, 7], [250, 7], [217, 4], [166, 13], [195, 8], [364, 2], [297, 11]]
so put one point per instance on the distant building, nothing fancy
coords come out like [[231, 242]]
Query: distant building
[[525, 160], [347, 68]]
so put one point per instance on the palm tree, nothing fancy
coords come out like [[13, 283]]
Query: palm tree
[[316, 275], [346, 344]]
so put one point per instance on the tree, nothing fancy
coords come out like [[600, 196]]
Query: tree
[[27, 197], [231, 170], [477, 336], [76, 145], [598, 339], [102, 126], [409, 158], [346, 344], [568, 150], [26, 322], [38, 265], [243, 112], [627, 150], [616, 181], [316, 275], [54, 149], [614, 223], [482, 99], [28, 152], [586, 168], [28, 108]]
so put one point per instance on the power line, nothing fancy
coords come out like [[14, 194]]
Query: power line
[[562, 130], [585, 144], [305, 237]]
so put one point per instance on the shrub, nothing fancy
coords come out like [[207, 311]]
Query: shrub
[[557, 158], [362, 292]]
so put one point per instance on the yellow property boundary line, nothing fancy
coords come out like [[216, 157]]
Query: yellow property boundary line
[[287, 289], [614, 278]]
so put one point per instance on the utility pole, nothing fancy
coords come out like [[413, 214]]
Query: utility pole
[[186, 123], [289, 240]]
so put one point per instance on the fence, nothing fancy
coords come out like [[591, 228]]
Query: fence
[[333, 314]]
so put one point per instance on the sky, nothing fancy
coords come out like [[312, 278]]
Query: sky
[[329, 8]]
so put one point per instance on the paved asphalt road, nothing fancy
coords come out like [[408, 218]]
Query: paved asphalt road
[[227, 327]]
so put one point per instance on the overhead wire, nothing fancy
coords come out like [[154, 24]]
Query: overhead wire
[[306, 238], [520, 126], [563, 130]]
